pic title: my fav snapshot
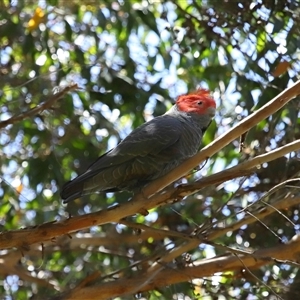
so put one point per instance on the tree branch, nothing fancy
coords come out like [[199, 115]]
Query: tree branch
[[39, 108], [243, 169], [172, 275], [215, 233], [235, 132], [47, 231]]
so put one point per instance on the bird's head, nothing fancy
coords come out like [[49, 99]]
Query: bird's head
[[198, 102]]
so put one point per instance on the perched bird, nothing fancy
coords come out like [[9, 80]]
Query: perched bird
[[150, 151]]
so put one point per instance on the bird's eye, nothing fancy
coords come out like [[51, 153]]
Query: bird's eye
[[199, 102]]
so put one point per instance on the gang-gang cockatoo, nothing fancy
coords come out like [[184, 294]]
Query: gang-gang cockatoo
[[150, 151]]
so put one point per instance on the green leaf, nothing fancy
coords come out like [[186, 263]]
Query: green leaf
[[149, 19], [69, 31], [261, 41], [52, 2]]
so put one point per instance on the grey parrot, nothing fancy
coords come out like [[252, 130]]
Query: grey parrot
[[150, 151]]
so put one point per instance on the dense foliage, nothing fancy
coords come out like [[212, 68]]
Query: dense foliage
[[130, 60]]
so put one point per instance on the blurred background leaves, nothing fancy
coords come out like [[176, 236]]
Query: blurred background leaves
[[131, 59]]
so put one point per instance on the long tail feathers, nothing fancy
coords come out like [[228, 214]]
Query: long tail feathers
[[71, 191]]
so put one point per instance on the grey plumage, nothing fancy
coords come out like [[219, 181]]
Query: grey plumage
[[147, 153]]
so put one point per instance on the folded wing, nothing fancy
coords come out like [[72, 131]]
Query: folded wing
[[143, 155]]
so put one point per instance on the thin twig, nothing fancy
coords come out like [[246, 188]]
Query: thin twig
[[265, 225], [259, 280], [279, 212], [39, 108], [188, 245]]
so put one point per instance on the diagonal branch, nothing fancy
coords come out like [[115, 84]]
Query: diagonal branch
[[39, 108], [261, 214], [213, 234], [265, 111], [25, 237], [243, 169], [199, 269]]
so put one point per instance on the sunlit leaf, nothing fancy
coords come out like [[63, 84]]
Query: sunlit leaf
[[36, 20]]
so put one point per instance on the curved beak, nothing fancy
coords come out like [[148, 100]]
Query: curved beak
[[211, 111]]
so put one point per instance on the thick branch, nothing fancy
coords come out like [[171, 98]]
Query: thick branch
[[213, 234], [243, 169], [203, 268], [265, 111], [24, 238]]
